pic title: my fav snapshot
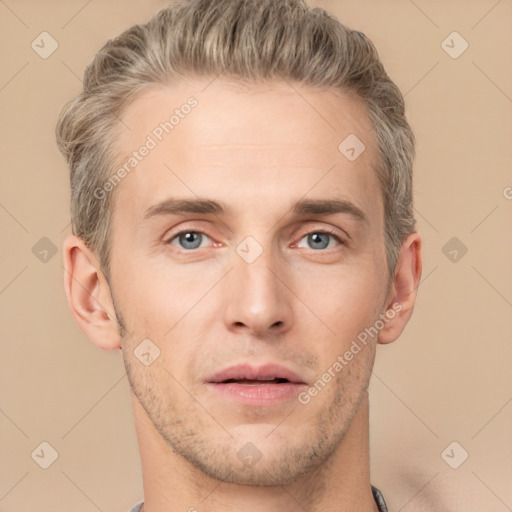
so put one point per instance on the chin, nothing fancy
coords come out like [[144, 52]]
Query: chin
[[256, 459]]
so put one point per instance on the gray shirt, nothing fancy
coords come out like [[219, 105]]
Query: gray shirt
[[377, 495]]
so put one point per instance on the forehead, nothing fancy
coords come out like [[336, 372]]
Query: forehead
[[225, 112], [262, 141]]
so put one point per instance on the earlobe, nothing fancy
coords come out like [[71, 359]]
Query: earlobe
[[402, 296], [88, 294]]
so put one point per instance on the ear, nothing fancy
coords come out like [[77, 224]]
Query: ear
[[402, 294], [88, 294]]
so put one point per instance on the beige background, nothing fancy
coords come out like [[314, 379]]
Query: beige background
[[446, 379]]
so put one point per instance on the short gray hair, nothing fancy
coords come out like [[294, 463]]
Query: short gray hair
[[247, 41]]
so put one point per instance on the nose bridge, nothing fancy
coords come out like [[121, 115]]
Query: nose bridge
[[256, 296]]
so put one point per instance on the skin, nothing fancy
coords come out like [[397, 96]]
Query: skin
[[258, 150]]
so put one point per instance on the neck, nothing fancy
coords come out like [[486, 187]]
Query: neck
[[341, 484]]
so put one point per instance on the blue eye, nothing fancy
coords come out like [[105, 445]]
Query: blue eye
[[189, 239], [320, 239]]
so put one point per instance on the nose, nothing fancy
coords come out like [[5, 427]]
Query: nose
[[258, 300]]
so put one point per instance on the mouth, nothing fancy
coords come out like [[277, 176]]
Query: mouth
[[257, 386], [255, 382], [257, 375]]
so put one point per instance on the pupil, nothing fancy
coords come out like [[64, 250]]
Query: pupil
[[316, 239], [190, 240]]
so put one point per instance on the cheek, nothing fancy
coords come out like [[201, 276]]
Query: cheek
[[346, 308], [151, 302], [346, 299]]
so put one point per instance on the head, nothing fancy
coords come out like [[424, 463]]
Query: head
[[216, 212]]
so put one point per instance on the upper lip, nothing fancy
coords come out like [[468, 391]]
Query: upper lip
[[248, 372]]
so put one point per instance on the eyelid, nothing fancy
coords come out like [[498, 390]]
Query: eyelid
[[190, 226]]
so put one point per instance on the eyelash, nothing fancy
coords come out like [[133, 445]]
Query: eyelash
[[324, 231]]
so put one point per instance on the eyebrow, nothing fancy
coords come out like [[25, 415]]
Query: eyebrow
[[329, 207], [180, 206], [302, 208]]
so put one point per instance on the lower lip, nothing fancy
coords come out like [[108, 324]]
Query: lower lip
[[258, 394]]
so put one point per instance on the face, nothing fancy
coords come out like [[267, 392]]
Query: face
[[244, 236]]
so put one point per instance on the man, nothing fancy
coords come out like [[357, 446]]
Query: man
[[241, 175]]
